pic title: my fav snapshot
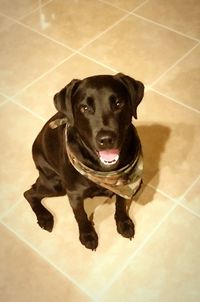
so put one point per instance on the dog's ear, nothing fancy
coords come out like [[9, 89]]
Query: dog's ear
[[135, 89], [63, 100]]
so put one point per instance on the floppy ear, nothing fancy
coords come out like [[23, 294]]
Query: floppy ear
[[135, 89], [63, 100]]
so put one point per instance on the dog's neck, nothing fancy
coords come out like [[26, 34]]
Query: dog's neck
[[78, 146], [125, 181], [87, 156]]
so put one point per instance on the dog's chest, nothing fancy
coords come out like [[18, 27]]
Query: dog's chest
[[96, 190]]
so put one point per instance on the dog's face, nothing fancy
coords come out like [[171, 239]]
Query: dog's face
[[101, 109]]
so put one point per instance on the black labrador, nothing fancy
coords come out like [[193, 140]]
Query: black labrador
[[90, 148]]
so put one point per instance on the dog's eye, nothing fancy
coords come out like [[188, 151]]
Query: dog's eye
[[83, 108], [118, 104]]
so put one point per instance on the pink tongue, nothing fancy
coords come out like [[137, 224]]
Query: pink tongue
[[109, 155]]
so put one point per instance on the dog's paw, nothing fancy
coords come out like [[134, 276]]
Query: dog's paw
[[45, 220], [89, 239], [125, 227]]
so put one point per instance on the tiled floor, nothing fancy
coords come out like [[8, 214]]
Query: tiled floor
[[45, 44]]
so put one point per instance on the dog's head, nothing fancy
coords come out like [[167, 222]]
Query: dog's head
[[100, 108]]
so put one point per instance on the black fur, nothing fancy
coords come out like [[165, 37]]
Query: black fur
[[99, 110]]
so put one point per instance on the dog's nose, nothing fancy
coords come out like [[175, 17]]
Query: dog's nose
[[106, 139]]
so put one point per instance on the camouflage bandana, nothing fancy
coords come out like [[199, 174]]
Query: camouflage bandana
[[124, 182], [59, 122]]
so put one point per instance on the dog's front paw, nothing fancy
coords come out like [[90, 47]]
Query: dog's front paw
[[125, 227], [45, 220], [89, 239]]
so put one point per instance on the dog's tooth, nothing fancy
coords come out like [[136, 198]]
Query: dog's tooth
[[108, 163]]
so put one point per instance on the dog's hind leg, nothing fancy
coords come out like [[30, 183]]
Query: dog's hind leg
[[47, 185]]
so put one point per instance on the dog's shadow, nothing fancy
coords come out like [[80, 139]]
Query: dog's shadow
[[153, 138]]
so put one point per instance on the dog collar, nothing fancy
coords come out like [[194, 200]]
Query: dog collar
[[58, 122], [124, 182]]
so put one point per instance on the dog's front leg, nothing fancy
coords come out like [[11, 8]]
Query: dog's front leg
[[87, 234], [125, 225]]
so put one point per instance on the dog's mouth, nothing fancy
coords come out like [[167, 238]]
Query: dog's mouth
[[109, 157]]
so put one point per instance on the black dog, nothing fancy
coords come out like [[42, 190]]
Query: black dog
[[90, 148]]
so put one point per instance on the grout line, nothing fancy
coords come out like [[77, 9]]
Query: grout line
[[162, 193], [10, 210], [174, 100], [140, 5], [124, 9], [48, 261], [190, 187], [134, 255], [74, 51], [178, 201], [65, 45], [164, 26], [89, 42], [128, 13], [3, 103], [4, 95], [8, 17], [60, 43], [19, 22], [28, 110], [39, 7], [96, 61], [45, 36], [43, 75], [114, 6], [103, 32], [57, 66], [189, 210], [16, 21], [176, 63]]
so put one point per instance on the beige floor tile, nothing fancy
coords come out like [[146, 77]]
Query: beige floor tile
[[181, 15], [39, 96], [135, 47], [170, 138], [192, 199], [19, 8], [5, 23], [74, 23], [182, 82], [25, 57], [167, 269], [27, 277], [2, 99], [91, 270], [18, 131], [12, 186], [126, 4]]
